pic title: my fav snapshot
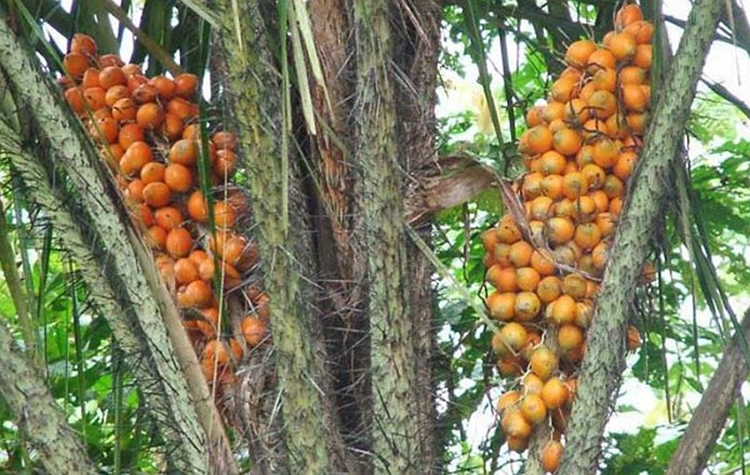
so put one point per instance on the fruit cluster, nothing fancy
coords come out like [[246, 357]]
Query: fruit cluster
[[149, 133], [546, 259]]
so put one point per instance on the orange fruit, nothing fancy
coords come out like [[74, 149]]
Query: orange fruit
[[107, 60], [168, 217], [150, 116], [634, 97], [511, 366], [575, 184], [552, 163], [540, 208], [625, 165], [196, 294], [145, 93], [553, 111], [533, 409], [643, 56], [527, 306], [602, 103], [224, 140], [601, 59], [83, 44], [224, 215], [184, 152], [111, 76], [549, 289], [507, 400], [601, 200], [185, 271], [186, 85], [91, 78], [555, 393], [541, 261], [605, 80], [136, 156], [513, 336], [584, 209], [642, 31], [124, 109], [562, 310], [577, 54], [520, 254], [130, 134], [617, 126], [157, 238], [569, 336], [503, 279], [634, 338], [217, 352], [596, 127], [76, 64], [115, 94], [165, 87], [552, 186], [633, 75], [517, 444], [131, 69], [501, 255], [106, 129], [613, 187], [601, 255], [560, 230], [623, 46], [627, 15], [501, 305], [587, 236], [606, 224], [551, 456], [134, 191], [576, 111], [564, 89], [606, 152], [537, 139], [172, 127], [180, 108], [543, 362], [489, 239], [151, 172], [533, 339], [94, 98], [507, 231], [567, 141], [255, 330], [514, 424], [178, 178], [74, 98], [197, 207], [575, 286], [532, 384], [157, 194], [534, 116], [179, 242]]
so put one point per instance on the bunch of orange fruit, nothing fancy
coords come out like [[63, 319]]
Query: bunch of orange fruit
[[546, 260], [149, 133]]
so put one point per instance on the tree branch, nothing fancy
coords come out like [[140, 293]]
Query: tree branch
[[604, 360], [709, 417]]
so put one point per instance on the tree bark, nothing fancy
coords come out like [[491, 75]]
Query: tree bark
[[603, 363], [709, 417], [310, 433], [38, 416]]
